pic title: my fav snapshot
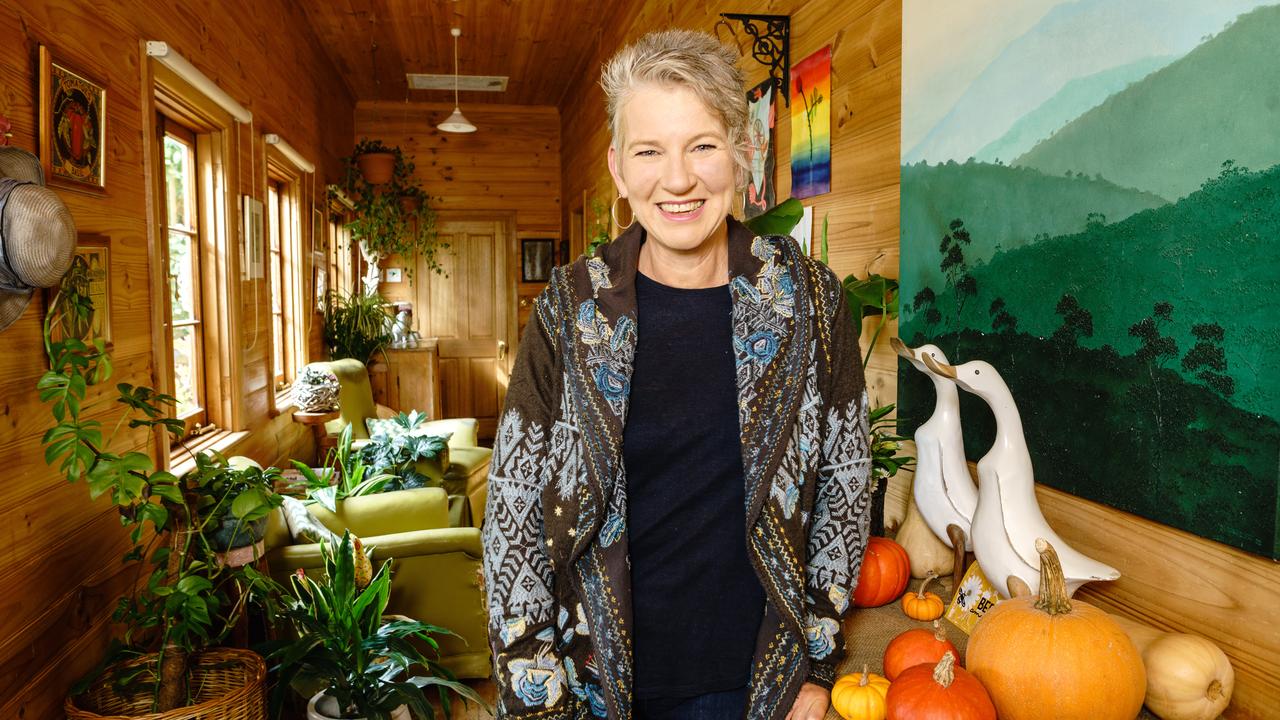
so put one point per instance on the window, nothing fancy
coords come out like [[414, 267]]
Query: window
[[194, 284], [341, 260], [281, 357], [183, 289]]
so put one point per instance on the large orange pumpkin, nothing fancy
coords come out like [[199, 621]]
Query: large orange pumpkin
[[1048, 657], [914, 647], [885, 572], [938, 692]]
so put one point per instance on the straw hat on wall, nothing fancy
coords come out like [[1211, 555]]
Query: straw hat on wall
[[37, 235]]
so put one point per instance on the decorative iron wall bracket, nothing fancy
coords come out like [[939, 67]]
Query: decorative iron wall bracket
[[770, 46]]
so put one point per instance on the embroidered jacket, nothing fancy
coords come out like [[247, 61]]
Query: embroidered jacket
[[555, 543]]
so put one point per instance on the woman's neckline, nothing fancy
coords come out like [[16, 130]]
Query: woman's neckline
[[668, 289]]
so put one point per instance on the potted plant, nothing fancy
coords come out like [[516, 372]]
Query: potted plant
[[392, 217], [356, 326], [376, 162], [344, 474], [398, 454], [167, 659], [360, 659]]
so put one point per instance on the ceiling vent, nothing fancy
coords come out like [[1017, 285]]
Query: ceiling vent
[[471, 83]]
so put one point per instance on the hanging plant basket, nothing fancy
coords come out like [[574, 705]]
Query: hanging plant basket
[[377, 168], [226, 684], [410, 204]]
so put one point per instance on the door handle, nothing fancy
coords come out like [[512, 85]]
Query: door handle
[[502, 349]]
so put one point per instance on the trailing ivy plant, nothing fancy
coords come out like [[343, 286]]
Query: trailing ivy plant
[[184, 604], [392, 219]]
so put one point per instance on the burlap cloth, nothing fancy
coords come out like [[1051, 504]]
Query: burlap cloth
[[867, 632]]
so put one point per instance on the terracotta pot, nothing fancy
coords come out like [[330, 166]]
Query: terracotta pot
[[377, 168], [410, 203], [323, 707]]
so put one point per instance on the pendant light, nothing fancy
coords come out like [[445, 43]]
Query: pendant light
[[456, 123]]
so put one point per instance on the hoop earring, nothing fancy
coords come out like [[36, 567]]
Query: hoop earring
[[613, 213]]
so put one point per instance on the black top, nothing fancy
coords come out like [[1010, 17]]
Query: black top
[[696, 601]]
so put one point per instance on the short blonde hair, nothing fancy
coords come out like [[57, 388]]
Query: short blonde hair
[[694, 60]]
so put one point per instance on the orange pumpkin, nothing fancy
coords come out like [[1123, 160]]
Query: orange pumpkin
[[884, 575], [1048, 657], [915, 647], [939, 692], [860, 696], [922, 605]]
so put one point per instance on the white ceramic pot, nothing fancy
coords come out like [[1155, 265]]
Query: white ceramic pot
[[323, 707]]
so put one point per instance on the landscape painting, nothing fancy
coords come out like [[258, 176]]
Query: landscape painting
[[1091, 203]]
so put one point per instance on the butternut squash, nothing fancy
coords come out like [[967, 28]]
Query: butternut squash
[[1188, 677], [926, 552]]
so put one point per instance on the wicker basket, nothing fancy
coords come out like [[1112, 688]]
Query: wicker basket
[[226, 684]]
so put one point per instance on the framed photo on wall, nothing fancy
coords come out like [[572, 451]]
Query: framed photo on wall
[[73, 126], [93, 258], [537, 256]]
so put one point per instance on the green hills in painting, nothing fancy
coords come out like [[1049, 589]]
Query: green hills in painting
[[1168, 132]]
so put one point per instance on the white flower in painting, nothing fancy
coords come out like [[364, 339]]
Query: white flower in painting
[[970, 591]]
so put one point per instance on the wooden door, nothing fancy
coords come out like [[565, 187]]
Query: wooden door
[[466, 309]]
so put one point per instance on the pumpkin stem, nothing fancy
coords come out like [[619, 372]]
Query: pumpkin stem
[[944, 672], [928, 579], [1053, 586], [937, 632], [1215, 690], [865, 677]]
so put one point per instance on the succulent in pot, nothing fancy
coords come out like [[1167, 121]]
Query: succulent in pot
[[316, 389]]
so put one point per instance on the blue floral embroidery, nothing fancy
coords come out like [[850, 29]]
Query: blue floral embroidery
[[761, 346], [595, 698], [839, 597], [612, 530], [745, 288], [821, 636], [513, 628], [612, 385], [786, 286], [620, 332], [539, 680]]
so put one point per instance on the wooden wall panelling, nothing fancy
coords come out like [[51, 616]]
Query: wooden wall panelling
[[1172, 579], [62, 550]]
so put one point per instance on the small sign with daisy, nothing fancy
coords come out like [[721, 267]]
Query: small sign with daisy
[[974, 598]]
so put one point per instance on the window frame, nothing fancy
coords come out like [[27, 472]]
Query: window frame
[[290, 181], [218, 138]]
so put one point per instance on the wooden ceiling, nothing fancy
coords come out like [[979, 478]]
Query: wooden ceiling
[[540, 44]]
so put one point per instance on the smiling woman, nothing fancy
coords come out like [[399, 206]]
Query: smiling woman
[[677, 508]]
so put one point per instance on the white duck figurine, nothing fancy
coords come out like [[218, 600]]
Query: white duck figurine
[[943, 490], [1008, 518]]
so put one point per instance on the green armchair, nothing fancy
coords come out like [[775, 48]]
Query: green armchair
[[436, 573], [464, 472]]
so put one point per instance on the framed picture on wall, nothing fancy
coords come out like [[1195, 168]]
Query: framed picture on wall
[[537, 256], [93, 258], [73, 126]]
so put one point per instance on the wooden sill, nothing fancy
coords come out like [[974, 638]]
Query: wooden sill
[[180, 461]]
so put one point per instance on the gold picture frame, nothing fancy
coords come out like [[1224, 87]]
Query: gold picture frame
[[73, 126]]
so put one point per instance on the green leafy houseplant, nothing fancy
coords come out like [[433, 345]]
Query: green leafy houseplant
[[355, 326], [393, 218], [344, 474], [184, 604], [398, 454], [360, 657]]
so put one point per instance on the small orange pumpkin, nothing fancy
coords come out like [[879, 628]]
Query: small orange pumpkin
[[922, 605], [860, 696], [1048, 657], [943, 691], [884, 575], [916, 647]]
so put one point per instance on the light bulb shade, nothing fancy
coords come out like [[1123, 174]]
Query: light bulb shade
[[456, 123]]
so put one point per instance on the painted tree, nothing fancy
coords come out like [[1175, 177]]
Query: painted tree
[[1002, 321], [924, 303], [811, 102], [1156, 347], [1208, 357], [1076, 321], [954, 266]]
